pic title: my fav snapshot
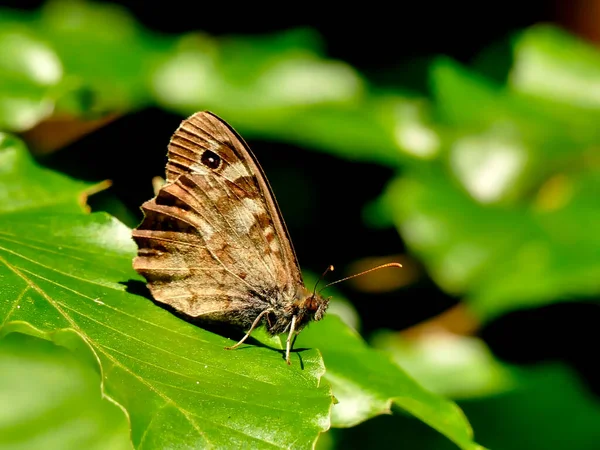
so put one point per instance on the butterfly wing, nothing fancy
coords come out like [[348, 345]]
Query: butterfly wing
[[213, 243]]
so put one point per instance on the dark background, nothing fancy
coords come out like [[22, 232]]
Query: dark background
[[371, 36]]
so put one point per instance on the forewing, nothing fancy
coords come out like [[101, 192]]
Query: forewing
[[213, 239]]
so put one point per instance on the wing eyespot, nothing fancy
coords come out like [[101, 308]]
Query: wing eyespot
[[210, 159]]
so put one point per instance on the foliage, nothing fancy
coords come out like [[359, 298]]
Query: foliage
[[67, 277]]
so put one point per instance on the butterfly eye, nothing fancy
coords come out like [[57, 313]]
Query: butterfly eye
[[311, 304], [210, 159]]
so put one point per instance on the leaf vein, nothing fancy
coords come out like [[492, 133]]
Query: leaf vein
[[150, 422], [62, 286], [44, 249], [116, 330], [55, 304], [236, 400], [14, 306]]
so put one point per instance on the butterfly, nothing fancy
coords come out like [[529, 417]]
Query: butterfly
[[213, 243]]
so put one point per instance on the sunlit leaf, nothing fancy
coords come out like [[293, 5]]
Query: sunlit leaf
[[459, 367], [551, 63], [548, 409], [30, 73], [502, 258], [176, 380], [67, 277], [24, 185], [367, 383]]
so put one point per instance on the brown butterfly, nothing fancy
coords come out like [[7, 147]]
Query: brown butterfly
[[213, 243]]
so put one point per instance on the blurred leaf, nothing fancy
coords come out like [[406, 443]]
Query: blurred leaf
[[430, 212], [278, 86], [30, 72], [502, 145], [24, 185], [504, 216], [64, 59], [459, 367], [268, 74], [550, 409], [468, 99], [502, 258], [552, 64], [49, 399], [366, 383], [547, 409], [291, 94], [557, 73], [559, 260], [115, 61]]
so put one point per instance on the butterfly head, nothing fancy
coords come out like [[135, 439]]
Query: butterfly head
[[313, 306]]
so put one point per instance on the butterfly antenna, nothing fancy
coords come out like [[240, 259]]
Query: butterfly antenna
[[383, 266], [329, 269]]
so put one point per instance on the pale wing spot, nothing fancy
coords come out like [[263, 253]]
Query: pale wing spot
[[243, 222], [199, 169], [235, 171], [257, 210], [274, 246], [206, 230], [253, 206], [269, 232], [246, 215]]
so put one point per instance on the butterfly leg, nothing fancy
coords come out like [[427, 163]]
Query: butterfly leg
[[254, 325], [288, 342], [294, 340]]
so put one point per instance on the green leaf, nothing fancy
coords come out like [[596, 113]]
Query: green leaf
[[277, 86], [558, 74], [467, 99], [30, 73], [50, 399], [502, 258], [549, 408], [498, 217], [552, 64], [503, 139], [178, 384], [460, 367], [176, 381], [367, 383], [291, 94], [67, 277], [115, 62], [24, 185]]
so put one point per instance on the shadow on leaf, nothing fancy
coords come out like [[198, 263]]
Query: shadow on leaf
[[137, 287]]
